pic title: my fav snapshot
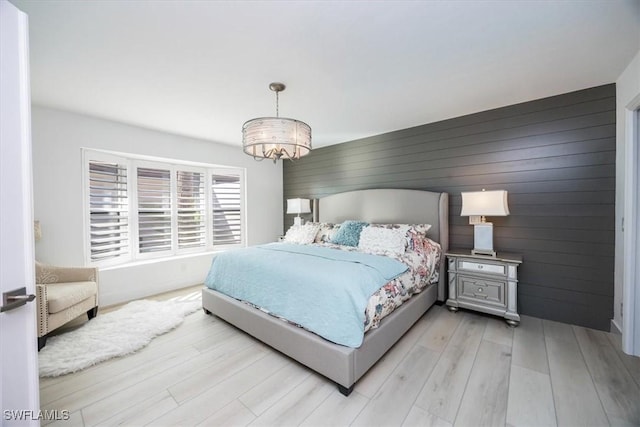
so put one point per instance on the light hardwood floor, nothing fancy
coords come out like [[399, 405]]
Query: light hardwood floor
[[463, 369]]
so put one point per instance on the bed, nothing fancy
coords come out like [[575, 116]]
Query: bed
[[342, 364]]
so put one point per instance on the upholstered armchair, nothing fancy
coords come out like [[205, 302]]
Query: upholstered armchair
[[64, 293]]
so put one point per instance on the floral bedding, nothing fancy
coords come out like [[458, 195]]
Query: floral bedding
[[424, 266], [422, 256]]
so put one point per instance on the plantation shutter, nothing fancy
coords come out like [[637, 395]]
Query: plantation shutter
[[191, 209], [154, 210], [226, 192], [108, 211], [142, 208]]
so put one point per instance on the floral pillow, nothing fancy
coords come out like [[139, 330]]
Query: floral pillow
[[414, 234], [326, 232], [302, 234], [349, 233], [379, 240]]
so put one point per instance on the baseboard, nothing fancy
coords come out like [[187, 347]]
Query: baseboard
[[615, 329]]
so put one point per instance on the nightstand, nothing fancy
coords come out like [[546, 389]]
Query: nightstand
[[484, 283]]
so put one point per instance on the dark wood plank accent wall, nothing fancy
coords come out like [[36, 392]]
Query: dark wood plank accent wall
[[555, 157]]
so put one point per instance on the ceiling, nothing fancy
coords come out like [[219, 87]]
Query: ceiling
[[352, 68]]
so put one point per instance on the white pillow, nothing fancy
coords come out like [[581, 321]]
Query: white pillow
[[413, 233], [379, 240], [302, 234]]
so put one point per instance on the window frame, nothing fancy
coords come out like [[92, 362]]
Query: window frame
[[132, 163]]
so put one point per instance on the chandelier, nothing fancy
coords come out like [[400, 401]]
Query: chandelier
[[276, 137]]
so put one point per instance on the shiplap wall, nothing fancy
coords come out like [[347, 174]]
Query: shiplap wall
[[556, 158]]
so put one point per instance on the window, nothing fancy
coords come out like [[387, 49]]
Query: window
[[154, 210], [227, 209], [108, 211], [192, 231], [140, 208]]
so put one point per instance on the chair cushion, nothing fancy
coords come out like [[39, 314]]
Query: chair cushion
[[61, 296]]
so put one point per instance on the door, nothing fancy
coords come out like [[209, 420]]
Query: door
[[18, 350]]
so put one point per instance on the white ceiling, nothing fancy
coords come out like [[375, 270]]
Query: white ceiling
[[352, 69]]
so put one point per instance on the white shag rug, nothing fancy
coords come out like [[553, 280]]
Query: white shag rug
[[113, 334]]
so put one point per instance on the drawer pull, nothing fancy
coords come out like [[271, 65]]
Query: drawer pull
[[482, 267], [479, 289]]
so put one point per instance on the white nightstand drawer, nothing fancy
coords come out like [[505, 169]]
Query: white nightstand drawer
[[481, 267], [486, 291]]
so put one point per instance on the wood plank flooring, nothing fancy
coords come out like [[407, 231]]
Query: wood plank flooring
[[450, 369]]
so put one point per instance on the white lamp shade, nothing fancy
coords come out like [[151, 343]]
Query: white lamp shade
[[485, 203], [298, 206]]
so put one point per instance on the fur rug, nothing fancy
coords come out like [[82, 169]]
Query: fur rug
[[113, 334]]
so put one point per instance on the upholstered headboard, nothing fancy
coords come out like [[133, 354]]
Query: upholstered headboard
[[392, 206]]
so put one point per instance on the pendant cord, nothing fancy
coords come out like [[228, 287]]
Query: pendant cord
[[277, 104]]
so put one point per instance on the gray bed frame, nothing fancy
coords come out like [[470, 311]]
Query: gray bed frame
[[345, 365]]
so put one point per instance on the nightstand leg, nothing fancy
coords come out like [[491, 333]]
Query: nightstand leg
[[513, 319], [452, 308]]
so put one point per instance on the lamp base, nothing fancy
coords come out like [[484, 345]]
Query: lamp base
[[483, 239], [484, 252], [297, 221]]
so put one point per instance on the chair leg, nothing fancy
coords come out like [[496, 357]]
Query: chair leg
[[42, 341], [92, 313]]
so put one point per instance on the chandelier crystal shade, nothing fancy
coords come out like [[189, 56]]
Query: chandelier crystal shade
[[276, 137]]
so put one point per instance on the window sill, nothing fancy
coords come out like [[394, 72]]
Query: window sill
[[152, 261]]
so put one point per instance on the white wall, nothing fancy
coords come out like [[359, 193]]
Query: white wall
[[58, 137], [627, 88]]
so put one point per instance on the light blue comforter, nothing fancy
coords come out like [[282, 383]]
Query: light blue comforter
[[322, 289]]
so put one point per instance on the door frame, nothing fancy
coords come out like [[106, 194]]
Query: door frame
[[631, 232]]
